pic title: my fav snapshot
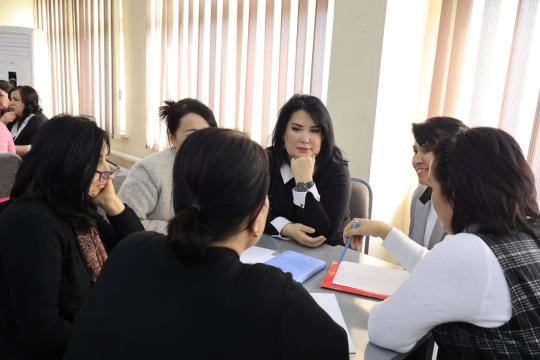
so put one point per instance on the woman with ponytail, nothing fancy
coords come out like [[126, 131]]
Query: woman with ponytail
[[187, 295]]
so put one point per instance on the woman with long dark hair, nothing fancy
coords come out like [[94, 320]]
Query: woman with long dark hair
[[26, 117], [310, 183], [477, 291], [53, 242], [187, 295]]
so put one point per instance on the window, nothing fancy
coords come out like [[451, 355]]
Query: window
[[80, 39], [473, 60], [244, 59]]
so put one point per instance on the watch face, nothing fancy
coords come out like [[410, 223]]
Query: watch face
[[300, 187]]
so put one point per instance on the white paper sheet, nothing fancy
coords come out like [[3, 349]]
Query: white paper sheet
[[256, 254], [329, 303], [375, 279]]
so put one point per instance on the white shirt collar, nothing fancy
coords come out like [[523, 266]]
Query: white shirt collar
[[18, 127], [286, 172]]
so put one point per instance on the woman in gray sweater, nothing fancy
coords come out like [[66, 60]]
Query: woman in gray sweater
[[148, 186]]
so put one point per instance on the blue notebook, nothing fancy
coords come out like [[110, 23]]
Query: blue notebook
[[301, 266]]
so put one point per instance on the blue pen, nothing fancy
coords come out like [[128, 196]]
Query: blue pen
[[356, 224]]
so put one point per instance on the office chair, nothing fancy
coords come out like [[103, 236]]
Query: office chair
[[9, 164], [361, 203]]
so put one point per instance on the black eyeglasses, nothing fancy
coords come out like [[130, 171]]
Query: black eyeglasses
[[106, 175]]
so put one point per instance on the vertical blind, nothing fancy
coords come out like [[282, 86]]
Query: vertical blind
[[486, 69], [243, 59], [80, 39]]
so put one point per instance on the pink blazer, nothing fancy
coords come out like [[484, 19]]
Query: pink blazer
[[6, 145]]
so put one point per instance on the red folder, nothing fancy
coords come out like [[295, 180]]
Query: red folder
[[328, 283]]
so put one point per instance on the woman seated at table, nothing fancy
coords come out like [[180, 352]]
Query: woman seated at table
[[25, 118], [148, 186], [5, 86], [187, 295], [424, 227], [478, 291], [53, 244], [6, 140], [310, 183]]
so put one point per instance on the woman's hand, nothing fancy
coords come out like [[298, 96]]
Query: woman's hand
[[299, 232], [365, 227], [357, 240], [302, 168], [8, 117], [108, 200]]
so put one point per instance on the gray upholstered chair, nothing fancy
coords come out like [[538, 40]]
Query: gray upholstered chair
[[9, 164], [361, 203]]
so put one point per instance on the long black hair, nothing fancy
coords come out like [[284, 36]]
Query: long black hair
[[220, 182], [320, 115], [486, 179], [60, 167]]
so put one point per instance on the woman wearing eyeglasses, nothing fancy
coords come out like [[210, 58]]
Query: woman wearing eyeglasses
[[53, 243]]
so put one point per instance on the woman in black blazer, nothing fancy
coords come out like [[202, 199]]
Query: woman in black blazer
[[53, 244], [310, 183], [25, 118], [187, 295]]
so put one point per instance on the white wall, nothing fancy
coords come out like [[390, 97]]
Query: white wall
[[17, 13], [134, 12], [402, 99], [354, 78], [20, 13]]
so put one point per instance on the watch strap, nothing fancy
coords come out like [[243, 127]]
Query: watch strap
[[303, 187]]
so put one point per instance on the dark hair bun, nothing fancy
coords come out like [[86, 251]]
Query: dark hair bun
[[187, 225]]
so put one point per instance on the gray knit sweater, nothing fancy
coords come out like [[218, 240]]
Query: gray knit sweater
[[148, 190]]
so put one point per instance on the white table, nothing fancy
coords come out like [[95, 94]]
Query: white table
[[355, 308]]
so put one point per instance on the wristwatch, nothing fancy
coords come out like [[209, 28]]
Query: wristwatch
[[303, 187]]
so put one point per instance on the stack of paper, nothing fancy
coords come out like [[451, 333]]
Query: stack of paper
[[372, 281], [329, 303], [256, 254]]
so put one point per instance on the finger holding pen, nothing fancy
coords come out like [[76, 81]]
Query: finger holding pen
[[367, 227]]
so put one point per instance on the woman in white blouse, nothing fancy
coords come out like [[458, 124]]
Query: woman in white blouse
[[478, 291]]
